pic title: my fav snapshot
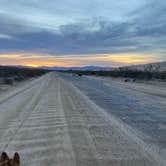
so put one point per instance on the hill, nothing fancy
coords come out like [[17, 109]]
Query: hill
[[159, 67]]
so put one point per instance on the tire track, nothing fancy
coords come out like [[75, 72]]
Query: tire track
[[43, 138], [25, 112], [109, 144], [60, 126], [17, 91]]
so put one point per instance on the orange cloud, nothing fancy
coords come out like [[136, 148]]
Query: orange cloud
[[130, 58], [42, 63], [37, 60]]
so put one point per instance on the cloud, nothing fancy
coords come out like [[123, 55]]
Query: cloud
[[75, 60], [143, 30], [4, 36]]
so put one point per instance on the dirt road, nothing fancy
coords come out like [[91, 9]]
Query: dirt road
[[50, 122]]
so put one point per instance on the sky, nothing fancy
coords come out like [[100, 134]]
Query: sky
[[80, 33]]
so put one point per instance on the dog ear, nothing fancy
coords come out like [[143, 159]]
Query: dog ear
[[4, 156], [16, 158]]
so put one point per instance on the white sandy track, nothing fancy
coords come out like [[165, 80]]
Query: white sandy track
[[50, 123]]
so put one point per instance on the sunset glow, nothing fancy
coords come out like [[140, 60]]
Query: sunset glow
[[82, 33], [38, 60]]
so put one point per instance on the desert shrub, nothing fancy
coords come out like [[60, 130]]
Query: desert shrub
[[8, 81], [19, 78], [134, 74], [19, 74], [79, 74]]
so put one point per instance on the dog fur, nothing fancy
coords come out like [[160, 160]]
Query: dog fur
[[6, 161]]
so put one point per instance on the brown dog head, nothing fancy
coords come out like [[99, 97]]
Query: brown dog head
[[6, 161]]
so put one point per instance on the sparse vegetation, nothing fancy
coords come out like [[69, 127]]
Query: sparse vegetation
[[147, 74], [9, 75], [8, 81]]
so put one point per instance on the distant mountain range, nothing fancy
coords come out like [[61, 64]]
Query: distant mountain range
[[159, 66], [84, 68]]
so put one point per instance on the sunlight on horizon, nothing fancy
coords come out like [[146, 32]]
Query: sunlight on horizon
[[38, 60]]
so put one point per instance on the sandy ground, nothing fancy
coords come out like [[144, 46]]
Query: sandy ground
[[5, 88], [51, 121]]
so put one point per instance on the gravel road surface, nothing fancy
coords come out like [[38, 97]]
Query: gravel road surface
[[64, 120]]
